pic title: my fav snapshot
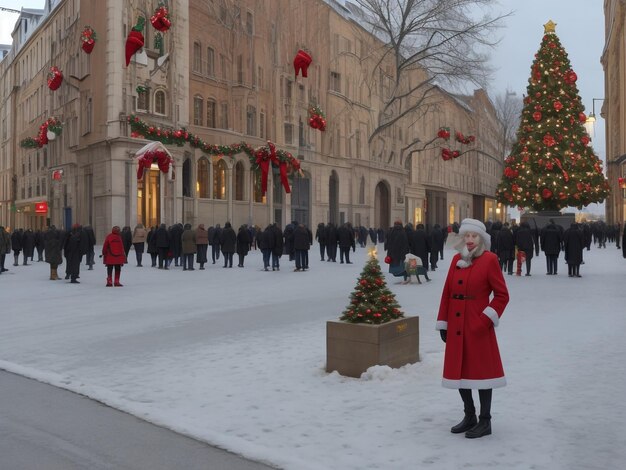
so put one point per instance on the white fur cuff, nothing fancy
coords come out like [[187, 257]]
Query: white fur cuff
[[441, 325], [493, 316]]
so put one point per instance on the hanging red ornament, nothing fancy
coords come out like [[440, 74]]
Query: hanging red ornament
[[557, 105], [443, 133], [160, 19], [584, 140], [363, 282], [301, 62], [446, 154], [582, 117], [388, 259], [135, 41], [549, 140], [88, 39], [55, 78], [537, 116]]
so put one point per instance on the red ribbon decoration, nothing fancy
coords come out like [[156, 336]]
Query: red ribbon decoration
[[262, 159], [283, 176]]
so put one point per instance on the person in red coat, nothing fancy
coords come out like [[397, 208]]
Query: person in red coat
[[473, 300], [114, 255]]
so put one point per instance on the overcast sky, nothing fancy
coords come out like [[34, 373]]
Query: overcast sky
[[580, 27]]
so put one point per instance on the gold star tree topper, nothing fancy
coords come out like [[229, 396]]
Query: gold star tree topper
[[549, 27]]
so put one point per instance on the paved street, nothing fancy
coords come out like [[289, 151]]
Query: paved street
[[46, 428]]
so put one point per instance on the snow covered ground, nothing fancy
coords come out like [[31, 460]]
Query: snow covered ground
[[236, 357]]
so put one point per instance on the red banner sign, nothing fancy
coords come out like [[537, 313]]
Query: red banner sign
[[41, 207]]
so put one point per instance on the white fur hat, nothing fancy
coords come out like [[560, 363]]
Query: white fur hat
[[476, 226]]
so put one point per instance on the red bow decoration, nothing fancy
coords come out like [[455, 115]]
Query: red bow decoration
[[134, 41], [267, 154], [317, 119], [55, 78], [88, 38], [301, 61], [160, 20]]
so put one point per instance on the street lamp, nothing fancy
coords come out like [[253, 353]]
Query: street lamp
[[592, 117]]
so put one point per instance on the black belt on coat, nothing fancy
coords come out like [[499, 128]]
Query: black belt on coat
[[462, 297]]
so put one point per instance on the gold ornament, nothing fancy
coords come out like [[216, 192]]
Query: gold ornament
[[549, 27]]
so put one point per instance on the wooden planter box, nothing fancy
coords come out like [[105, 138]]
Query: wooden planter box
[[351, 348]]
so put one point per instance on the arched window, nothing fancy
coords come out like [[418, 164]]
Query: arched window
[[362, 191], [219, 179], [159, 102], [202, 184], [238, 180], [257, 193], [187, 178]]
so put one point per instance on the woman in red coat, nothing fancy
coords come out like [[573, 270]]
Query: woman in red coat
[[468, 314], [113, 255]]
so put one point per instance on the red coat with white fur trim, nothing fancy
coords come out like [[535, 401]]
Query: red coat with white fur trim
[[472, 359]]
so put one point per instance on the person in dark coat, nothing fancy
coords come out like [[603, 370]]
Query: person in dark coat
[[114, 256], [53, 245], [228, 243], [127, 239], [162, 236], [493, 232], [397, 246], [176, 244], [188, 247], [277, 247], [5, 247], [381, 235], [74, 248], [419, 244], [437, 240], [39, 244], [331, 242], [551, 241], [265, 242], [373, 235], [320, 236], [288, 245], [215, 234], [244, 240], [16, 245], [90, 238], [573, 244], [301, 245], [525, 241], [506, 249], [345, 239], [202, 244], [152, 247], [28, 246]]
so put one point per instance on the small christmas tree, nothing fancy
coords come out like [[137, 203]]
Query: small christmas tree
[[552, 165], [372, 301]]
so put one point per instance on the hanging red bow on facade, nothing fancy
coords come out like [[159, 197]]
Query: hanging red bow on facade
[[266, 155], [154, 152], [88, 39], [160, 20], [301, 61], [55, 78]]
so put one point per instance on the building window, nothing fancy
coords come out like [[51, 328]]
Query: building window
[[262, 125], [219, 179], [210, 62], [159, 102], [238, 180], [357, 142], [224, 116], [301, 141], [211, 106], [240, 69], [197, 57], [288, 133], [399, 196], [258, 194], [362, 191], [202, 185], [289, 90], [197, 110], [259, 77], [187, 178], [143, 100], [335, 82], [249, 23], [223, 66], [251, 120]]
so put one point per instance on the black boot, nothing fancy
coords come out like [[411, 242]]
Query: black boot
[[483, 428], [469, 421]]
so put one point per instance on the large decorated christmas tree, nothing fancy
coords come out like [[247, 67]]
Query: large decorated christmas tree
[[372, 301], [552, 165]]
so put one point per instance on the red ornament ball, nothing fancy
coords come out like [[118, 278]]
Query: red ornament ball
[[363, 282], [546, 193], [537, 116], [388, 259]]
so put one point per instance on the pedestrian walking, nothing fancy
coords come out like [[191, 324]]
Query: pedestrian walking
[[53, 243], [188, 247], [228, 244], [90, 238], [202, 244], [140, 235], [5, 247], [243, 244]]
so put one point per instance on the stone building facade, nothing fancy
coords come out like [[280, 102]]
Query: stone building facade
[[614, 107], [224, 72]]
